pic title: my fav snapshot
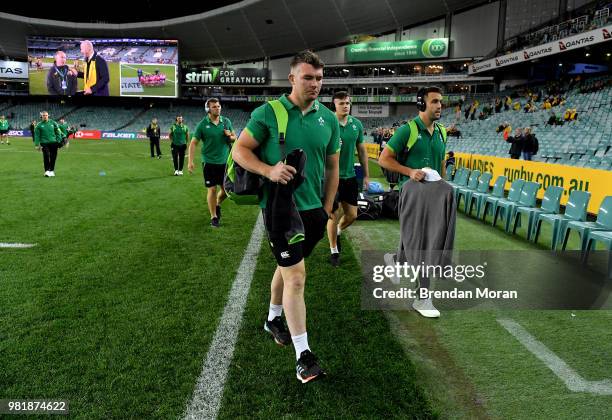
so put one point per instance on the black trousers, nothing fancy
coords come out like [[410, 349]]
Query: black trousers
[[178, 155], [49, 155], [154, 143]]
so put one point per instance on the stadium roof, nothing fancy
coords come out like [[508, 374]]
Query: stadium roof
[[249, 29]]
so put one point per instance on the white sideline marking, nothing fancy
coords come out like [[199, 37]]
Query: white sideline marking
[[16, 245], [206, 399], [572, 380]]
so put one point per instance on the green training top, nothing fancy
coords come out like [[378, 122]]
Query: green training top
[[215, 144], [351, 135], [47, 132], [179, 134]]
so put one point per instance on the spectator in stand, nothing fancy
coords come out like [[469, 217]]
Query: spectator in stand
[[516, 142], [457, 113], [453, 131], [502, 127], [567, 115], [450, 160], [516, 106], [530, 144], [573, 114], [507, 103], [546, 105], [498, 105], [466, 113], [554, 120]]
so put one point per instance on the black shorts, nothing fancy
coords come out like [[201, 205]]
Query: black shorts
[[213, 174], [3, 132], [315, 222], [348, 191]]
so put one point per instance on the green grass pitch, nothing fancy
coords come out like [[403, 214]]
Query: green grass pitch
[[116, 306]]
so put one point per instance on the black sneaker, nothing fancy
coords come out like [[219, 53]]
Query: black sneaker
[[334, 259], [307, 368], [218, 208], [338, 243], [214, 222], [278, 330]]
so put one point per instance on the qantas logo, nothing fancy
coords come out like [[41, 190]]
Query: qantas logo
[[504, 61], [535, 53], [576, 42]]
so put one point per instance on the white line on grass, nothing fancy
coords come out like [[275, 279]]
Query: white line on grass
[[570, 377], [16, 245], [206, 399]]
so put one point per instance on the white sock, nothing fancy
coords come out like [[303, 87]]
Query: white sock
[[334, 250], [338, 231], [300, 342], [274, 311]]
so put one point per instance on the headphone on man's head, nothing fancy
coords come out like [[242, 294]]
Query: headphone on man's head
[[420, 100], [206, 108]]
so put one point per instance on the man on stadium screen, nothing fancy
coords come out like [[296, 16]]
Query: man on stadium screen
[[216, 134], [313, 129], [4, 129], [345, 204], [60, 80], [96, 76], [414, 151]]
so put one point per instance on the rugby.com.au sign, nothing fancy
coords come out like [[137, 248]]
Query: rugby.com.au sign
[[398, 50]]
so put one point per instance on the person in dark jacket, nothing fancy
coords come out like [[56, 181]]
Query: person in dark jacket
[[154, 133], [32, 127], [96, 76], [530, 144], [516, 142], [60, 80]]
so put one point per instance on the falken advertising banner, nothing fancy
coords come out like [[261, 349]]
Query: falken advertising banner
[[225, 76], [397, 50], [573, 42]]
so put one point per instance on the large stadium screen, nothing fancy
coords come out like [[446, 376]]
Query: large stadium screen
[[103, 67]]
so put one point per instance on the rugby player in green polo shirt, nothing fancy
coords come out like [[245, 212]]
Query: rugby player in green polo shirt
[[216, 134], [179, 134], [4, 129], [345, 204], [428, 151], [47, 136], [313, 128]]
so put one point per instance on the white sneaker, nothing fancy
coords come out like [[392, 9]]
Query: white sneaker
[[51, 173], [425, 307], [175, 172], [46, 174], [390, 262], [180, 173]]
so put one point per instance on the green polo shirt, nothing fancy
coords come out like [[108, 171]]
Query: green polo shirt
[[351, 135], [47, 132], [428, 151], [179, 134], [4, 125], [64, 129], [215, 144], [316, 132]]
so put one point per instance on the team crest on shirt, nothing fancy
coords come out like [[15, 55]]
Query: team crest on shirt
[[321, 121], [208, 126], [340, 142], [354, 127]]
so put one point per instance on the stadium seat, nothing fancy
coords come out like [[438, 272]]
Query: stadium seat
[[603, 222], [575, 210], [470, 188], [449, 173], [483, 187], [513, 197], [526, 198], [550, 205], [604, 237], [481, 196], [461, 179]]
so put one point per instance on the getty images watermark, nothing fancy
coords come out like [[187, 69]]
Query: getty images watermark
[[404, 272], [485, 280]]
